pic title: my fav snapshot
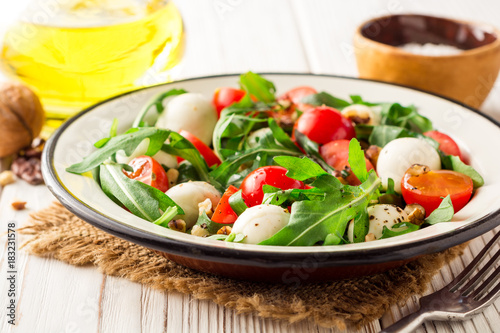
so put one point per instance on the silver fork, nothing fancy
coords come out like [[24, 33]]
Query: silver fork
[[461, 298]]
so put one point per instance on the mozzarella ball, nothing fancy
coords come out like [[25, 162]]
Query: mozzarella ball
[[161, 157], [189, 195], [190, 112], [400, 154], [260, 222], [362, 112]]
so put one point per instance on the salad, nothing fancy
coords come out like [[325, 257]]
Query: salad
[[299, 169]]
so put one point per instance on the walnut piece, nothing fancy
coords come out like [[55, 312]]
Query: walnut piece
[[199, 231], [19, 205], [7, 177], [225, 230], [177, 225], [28, 169], [416, 213], [372, 154]]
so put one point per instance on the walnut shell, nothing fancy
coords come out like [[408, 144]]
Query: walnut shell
[[21, 117]]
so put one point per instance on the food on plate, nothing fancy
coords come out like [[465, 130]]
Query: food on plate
[[302, 169]]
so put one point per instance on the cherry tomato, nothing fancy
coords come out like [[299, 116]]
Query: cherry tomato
[[429, 188], [205, 151], [223, 212], [270, 175], [324, 124], [446, 144], [225, 96], [336, 154], [295, 95], [148, 171]]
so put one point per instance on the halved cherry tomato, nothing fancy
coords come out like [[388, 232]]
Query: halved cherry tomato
[[446, 144], [324, 124], [223, 213], [295, 95], [205, 151], [336, 154], [271, 175], [148, 171], [429, 188], [225, 96]]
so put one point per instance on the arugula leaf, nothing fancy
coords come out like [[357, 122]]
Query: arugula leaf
[[112, 133], [280, 135], [312, 221], [235, 238], [383, 134], [312, 151], [142, 200], [324, 98], [187, 172], [363, 131], [356, 99], [157, 102], [255, 85], [127, 142], [211, 226], [361, 226], [454, 163], [357, 160], [237, 202], [179, 146], [278, 197], [407, 117], [299, 168], [399, 229], [443, 213]]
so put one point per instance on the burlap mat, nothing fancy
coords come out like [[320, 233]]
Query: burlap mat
[[341, 304]]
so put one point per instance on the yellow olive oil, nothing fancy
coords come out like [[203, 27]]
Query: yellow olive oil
[[89, 50]]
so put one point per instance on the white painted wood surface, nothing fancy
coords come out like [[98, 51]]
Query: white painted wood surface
[[223, 36]]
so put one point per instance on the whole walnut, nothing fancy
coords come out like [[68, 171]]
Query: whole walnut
[[21, 117]]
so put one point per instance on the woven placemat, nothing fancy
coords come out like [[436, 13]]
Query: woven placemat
[[342, 304]]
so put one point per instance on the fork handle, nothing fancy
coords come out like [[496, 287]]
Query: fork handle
[[408, 323]]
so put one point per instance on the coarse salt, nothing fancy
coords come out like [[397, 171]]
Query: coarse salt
[[430, 49]]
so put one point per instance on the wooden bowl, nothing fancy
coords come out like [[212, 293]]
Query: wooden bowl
[[466, 77]]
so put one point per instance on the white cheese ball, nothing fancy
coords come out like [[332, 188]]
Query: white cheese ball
[[380, 216], [190, 112], [161, 157], [260, 222], [189, 195], [362, 111], [400, 154], [384, 215]]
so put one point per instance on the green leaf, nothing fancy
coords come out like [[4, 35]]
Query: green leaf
[[455, 163], [312, 151], [399, 229], [235, 238], [167, 216], [237, 202], [280, 136], [312, 221], [278, 197], [142, 200], [218, 237], [444, 213], [324, 98], [299, 168], [187, 172], [407, 117], [255, 85], [357, 160], [157, 102], [211, 226], [179, 146], [383, 134], [112, 133], [127, 142], [361, 226]]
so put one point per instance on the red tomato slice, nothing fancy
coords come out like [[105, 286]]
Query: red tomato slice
[[205, 151], [270, 175], [148, 171], [336, 154], [223, 212], [324, 124], [446, 144], [225, 96], [427, 189]]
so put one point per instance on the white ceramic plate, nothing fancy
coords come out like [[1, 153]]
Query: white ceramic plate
[[477, 135]]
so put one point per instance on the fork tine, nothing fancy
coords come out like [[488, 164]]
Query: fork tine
[[469, 287], [490, 297], [462, 277], [493, 278]]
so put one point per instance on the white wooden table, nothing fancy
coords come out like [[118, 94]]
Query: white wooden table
[[223, 36]]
